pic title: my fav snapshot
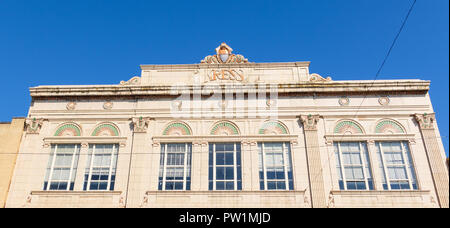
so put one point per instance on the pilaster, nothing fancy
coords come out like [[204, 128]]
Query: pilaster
[[436, 161], [316, 180]]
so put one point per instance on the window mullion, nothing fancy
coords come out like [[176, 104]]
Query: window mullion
[[363, 163], [214, 167], [111, 167], [286, 179], [235, 166], [342, 165], [185, 166], [386, 174], [91, 167], [263, 154], [71, 168], [52, 168], [166, 154], [405, 165]]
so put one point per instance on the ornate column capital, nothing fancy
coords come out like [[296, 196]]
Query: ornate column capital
[[33, 125], [310, 122], [425, 120], [140, 124]]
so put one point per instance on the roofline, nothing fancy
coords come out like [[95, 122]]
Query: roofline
[[234, 65], [349, 87]]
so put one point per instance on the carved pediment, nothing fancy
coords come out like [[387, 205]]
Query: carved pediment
[[224, 55]]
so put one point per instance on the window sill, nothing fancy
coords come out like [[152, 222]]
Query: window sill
[[383, 192], [75, 193]]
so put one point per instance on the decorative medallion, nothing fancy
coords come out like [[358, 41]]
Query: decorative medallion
[[224, 55], [108, 105], [384, 101], [270, 103], [223, 104], [344, 101], [71, 106], [177, 105]]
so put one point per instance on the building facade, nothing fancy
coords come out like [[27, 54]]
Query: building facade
[[231, 133], [10, 138]]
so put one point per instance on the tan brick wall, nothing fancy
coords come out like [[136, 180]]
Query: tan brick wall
[[10, 137]]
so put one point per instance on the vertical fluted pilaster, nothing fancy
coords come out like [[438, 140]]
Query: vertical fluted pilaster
[[314, 161], [436, 161]]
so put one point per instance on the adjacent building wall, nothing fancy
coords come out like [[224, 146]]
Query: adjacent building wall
[[10, 138]]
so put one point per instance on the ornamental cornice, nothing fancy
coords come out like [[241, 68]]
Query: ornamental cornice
[[333, 87]]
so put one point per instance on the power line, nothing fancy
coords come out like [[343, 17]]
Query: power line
[[379, 69]]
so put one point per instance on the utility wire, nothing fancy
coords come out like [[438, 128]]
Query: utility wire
[[379, 70]]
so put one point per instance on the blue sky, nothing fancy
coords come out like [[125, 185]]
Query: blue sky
[[51, 42]]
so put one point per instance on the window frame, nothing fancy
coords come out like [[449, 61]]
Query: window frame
[[287, 163], [365, 165], [73, 167], [112, 167], [236, 180], [408, 165], [187, 167]]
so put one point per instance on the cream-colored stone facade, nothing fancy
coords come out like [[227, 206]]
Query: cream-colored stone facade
[[309, 113], [10, 138]]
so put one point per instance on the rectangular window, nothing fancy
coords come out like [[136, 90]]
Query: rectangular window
[[62, 167], [175, 167], [101, 165], [396, 166], [275, 166], [353, 166], [225, 166]]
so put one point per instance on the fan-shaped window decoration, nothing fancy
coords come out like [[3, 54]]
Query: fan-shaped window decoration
[[348, 127], [105, 129], [177, 128], [225, 128], [273, 128], [389, 127], [69, 129]]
